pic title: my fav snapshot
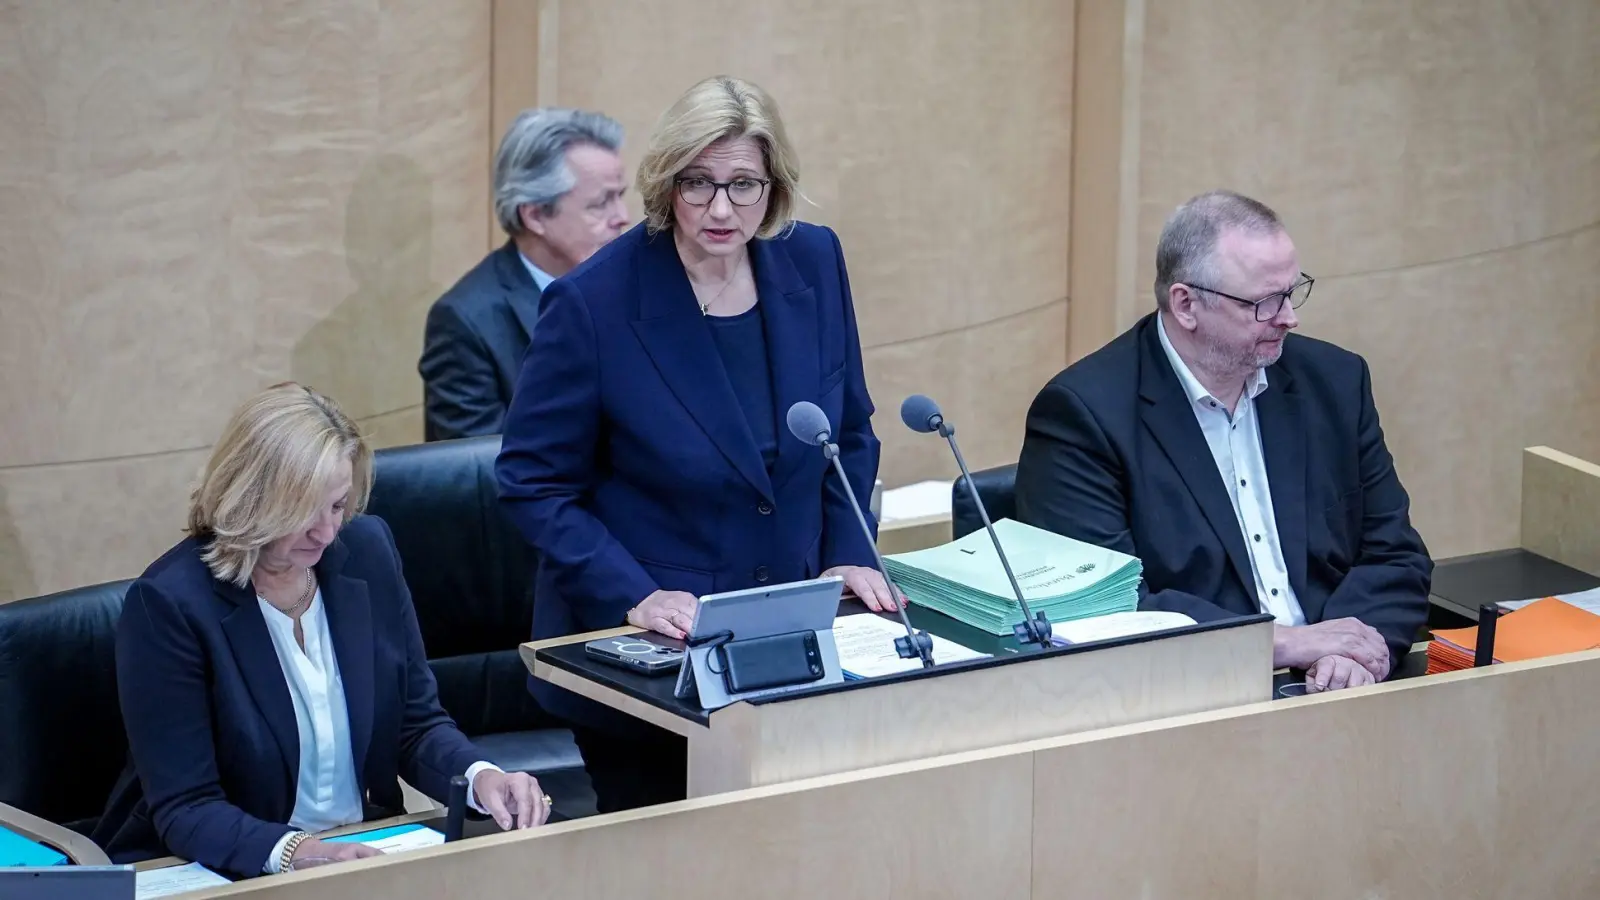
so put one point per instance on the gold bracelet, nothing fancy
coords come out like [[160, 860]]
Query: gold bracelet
[[289, 847]]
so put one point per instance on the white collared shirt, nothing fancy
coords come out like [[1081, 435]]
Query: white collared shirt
[[327, 794], [1235, 443], [541, 278]]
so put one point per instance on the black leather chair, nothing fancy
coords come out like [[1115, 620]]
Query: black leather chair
[[62, 744], [471, 577], [997, 487]]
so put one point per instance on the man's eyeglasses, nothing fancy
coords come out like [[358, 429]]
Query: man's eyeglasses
[[699, 191], [1268, 307]]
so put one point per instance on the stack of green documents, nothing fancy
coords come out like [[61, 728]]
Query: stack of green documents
[[1063, 578]]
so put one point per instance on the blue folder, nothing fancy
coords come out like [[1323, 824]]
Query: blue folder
[[16, 850]]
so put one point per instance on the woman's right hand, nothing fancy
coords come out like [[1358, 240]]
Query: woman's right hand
[[333, 851], [665, 612]]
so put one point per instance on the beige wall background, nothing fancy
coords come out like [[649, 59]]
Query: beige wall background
[[1438, 165], [197, 200]]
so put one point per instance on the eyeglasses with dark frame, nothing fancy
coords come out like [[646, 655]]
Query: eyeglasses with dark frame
[[697, 190], [1268, 307]]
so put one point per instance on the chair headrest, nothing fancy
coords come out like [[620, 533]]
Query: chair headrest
[[468, 569], [61, 735], [997, 487]]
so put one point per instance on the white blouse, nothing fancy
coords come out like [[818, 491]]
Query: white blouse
[[327, 794]]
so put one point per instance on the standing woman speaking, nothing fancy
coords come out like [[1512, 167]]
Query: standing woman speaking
[[644, 455]]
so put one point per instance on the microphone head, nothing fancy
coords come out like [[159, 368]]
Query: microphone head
[[921, 414], [809, 423]]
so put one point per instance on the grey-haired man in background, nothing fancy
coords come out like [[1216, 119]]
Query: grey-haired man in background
[[558, 192]]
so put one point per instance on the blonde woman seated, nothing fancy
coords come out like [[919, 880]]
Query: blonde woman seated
[[271, 673]]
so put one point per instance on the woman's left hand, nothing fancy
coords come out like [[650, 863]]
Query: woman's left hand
[[513, 799], [869, 586]]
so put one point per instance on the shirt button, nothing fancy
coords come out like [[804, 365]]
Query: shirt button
[[1258, 538], [1243, 483], [764, 508], [762, 575], [1274, 592]]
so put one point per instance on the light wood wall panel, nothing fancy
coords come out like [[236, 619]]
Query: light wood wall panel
[[200, 199], [1471, 784], [1464, 785], [1439, 168], [935, 138]]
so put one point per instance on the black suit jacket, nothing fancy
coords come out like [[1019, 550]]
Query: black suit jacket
[[1114, 456], [214, 750], [473, 345]]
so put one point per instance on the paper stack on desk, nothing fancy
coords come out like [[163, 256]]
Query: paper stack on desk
[[1063, 578], [866, 648], [1545, 627]]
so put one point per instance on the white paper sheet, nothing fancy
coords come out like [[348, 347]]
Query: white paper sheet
[[866, 647], [1586, 600], [914, 501], [1115, 625], [174, 880]]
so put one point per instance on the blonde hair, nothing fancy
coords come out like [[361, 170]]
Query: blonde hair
[[270, 471], [717, 108]]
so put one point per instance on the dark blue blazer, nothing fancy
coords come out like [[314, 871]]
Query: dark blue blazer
[[214, 751], [1114, 456], [472, 347], [626, 459]]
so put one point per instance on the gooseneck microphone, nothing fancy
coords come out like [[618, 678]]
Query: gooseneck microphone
[[809, 423], [921, 414]]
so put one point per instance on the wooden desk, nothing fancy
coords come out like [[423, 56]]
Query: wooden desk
[[433, 818], [906, 535], [79, 849], [1009, 697], [1328, 797], [1462, 584]]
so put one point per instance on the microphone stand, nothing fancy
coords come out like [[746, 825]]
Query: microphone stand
[[916, 644], [1032, 629]]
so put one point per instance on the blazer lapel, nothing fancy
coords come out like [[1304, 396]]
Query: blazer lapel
[[349, 612], [522, 293], [1283, 443], [1167, 414], [263, 674], [678, 338], [789, 307]]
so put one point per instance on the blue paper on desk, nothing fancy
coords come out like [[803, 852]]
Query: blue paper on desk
[[396, 839], [16, 850]]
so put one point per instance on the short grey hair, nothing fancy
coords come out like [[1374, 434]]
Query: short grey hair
[[531, 164], [1186, 253]]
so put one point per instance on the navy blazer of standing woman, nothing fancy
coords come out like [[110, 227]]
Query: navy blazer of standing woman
[[628, 463]]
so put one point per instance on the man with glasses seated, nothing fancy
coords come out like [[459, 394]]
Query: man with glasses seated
[[1244, 465]]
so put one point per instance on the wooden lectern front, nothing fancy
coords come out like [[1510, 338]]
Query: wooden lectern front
[[1017, 696]]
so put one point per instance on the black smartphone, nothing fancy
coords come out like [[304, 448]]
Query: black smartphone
[[642, 653], [768, 662]]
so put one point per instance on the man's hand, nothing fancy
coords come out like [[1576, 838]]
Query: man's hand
[[1332, 673], [1302, 646], [513, 800]]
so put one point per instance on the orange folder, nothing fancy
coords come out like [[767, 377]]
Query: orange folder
[[1545, 627]]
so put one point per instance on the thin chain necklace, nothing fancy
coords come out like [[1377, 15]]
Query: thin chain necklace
[[305, 598], [705, 308]]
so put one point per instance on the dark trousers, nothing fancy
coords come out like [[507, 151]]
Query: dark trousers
[[641, 765]]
